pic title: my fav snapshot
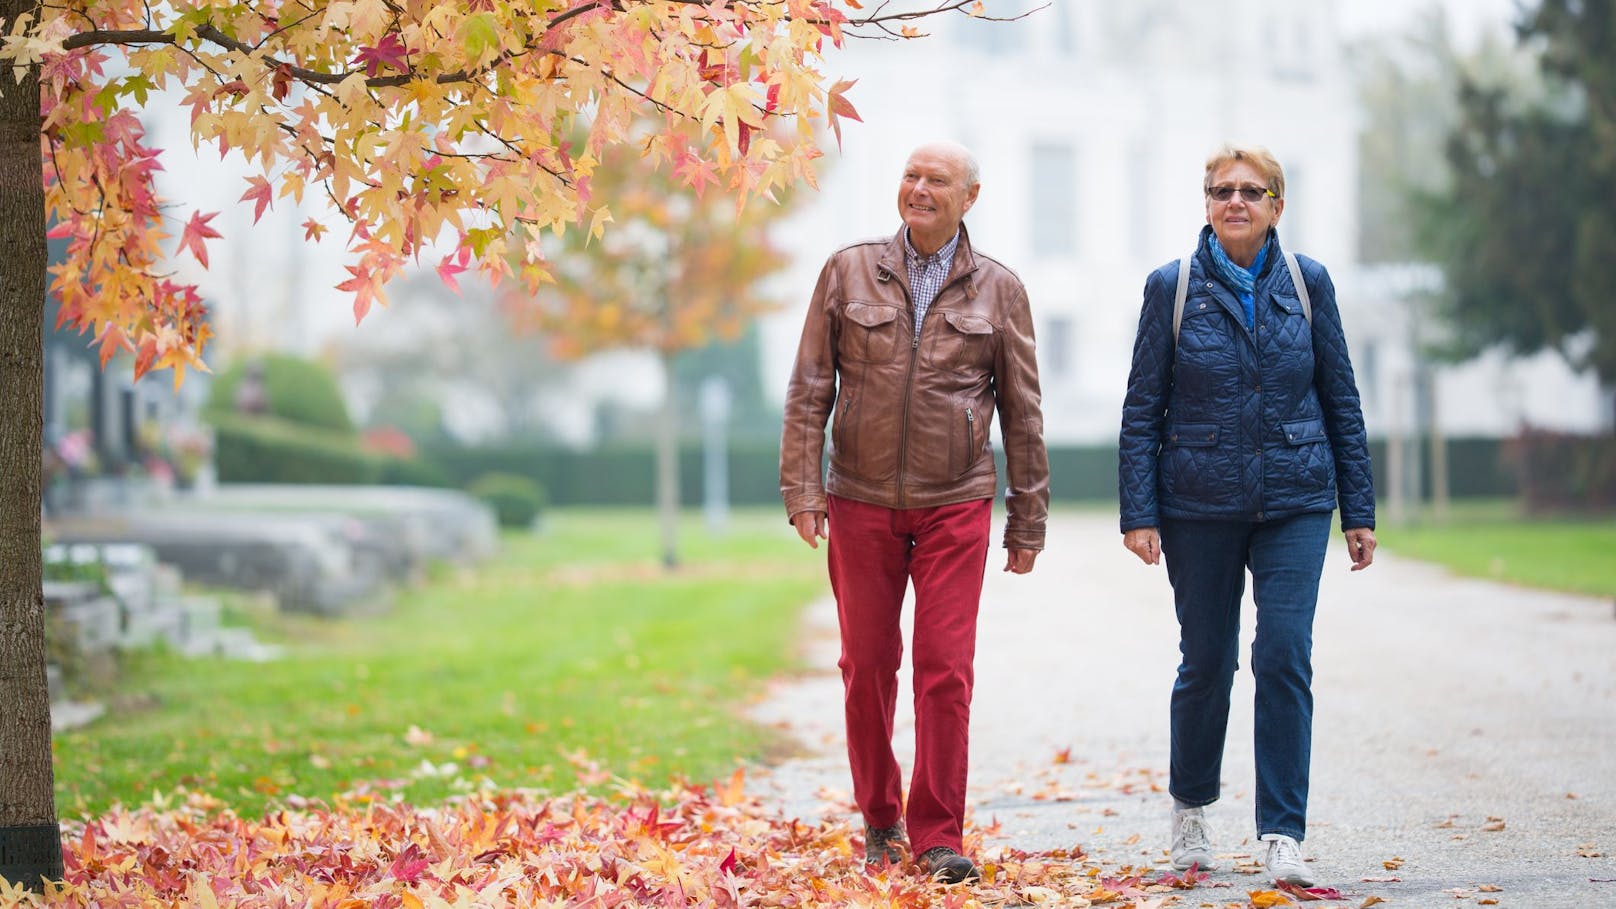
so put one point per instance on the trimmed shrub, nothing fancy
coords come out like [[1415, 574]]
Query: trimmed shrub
[[1562, 471], [516, 500], [411, 472], [267, 450], [296, 390]]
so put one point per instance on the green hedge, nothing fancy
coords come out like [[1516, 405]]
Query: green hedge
[[625, 475], [268, 450], [298, 391]]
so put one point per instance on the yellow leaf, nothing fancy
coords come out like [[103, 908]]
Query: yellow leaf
[[1264, 899]]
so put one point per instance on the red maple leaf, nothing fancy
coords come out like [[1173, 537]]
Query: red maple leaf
[[390, 52], [409, 865], [197, 230], [281, 82], [696, 172], [363, 286], [452, 265], [1309, 894], [258, 190], [837, 106]]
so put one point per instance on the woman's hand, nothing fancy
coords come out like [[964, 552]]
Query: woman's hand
[[1145, 543], [1361, 546]]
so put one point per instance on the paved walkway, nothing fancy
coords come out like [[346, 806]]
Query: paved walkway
[[1465, 732]]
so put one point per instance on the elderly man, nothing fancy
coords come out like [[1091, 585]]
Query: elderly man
[[914, 341]]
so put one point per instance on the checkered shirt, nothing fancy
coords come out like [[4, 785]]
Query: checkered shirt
[[927, 274]]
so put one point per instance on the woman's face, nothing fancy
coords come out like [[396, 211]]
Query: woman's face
[[1241, 226]]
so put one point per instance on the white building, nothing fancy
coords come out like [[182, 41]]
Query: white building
[[1092, 121]]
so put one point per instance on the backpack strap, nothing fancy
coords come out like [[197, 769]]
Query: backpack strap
[[1301, 285], [1180, 295]]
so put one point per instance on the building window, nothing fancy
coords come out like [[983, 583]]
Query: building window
[[1142, 190], [1054, 199], [1065, 30], [1055, 346]]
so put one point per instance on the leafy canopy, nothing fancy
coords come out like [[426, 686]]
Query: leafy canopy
[[1527, 233], [434, 128]]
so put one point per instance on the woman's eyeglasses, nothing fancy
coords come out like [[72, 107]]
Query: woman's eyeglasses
[[1248, 193]]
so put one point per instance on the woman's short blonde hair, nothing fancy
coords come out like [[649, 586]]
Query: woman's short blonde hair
[[1255, 155]]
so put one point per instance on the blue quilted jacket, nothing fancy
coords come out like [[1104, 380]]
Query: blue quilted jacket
[[1242, 424]]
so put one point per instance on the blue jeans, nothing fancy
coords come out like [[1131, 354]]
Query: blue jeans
[[1206, 564]]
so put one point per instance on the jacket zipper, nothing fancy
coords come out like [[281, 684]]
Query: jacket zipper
[[970, 437], [909, 380]]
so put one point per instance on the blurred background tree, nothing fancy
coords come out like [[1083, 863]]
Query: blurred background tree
[[683, 267], [1525, 229]]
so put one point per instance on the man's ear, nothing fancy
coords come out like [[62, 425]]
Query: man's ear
[[970, 198]]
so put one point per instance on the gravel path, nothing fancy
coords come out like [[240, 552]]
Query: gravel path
[[1464, 731]]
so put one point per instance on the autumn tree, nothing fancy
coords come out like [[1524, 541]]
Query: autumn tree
[[682, 266], [1526, 232], [433, 128]]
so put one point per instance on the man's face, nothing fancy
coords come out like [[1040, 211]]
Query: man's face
[[934, 197]]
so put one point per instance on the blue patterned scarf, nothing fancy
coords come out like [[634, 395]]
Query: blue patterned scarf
[[1240, 280]]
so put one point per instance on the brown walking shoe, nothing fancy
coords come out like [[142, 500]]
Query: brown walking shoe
[[948, 866], [885, 845]]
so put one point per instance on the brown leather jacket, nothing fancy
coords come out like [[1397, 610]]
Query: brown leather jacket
[[912, 417]]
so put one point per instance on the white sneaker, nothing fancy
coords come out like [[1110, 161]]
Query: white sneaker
[[1284, 860], [1191, 845]]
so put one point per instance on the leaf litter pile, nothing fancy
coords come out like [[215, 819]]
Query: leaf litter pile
[[685, 846]]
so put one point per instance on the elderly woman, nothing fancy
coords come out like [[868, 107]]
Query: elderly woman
[[1241, 432]]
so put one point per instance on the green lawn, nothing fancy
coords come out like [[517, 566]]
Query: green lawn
[[570, 640], [1492, 540]]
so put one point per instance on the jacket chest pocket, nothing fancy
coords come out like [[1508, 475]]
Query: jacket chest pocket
[[1287, 324], [1205, 324], [961, 343], [870, 332]]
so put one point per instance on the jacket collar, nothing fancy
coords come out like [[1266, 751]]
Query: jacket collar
[[890, 266]]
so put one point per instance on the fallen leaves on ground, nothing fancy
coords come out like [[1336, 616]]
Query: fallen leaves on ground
[[684, 846], [1310, 894]]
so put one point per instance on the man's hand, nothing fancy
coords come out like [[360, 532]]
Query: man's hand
[[1361, 546], [811, 527], [1019, 561], [1145, 543]]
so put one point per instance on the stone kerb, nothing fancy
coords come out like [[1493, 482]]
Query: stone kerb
[[437, 523], [308, 564], [126, 600]]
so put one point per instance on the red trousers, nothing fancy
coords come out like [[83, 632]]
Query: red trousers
[[874, 553]]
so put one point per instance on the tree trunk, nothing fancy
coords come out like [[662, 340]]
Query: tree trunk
[[30, 843], [667, 464]]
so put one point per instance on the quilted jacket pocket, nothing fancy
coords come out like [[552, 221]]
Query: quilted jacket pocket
[[1304, 432], [1193, 435]]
